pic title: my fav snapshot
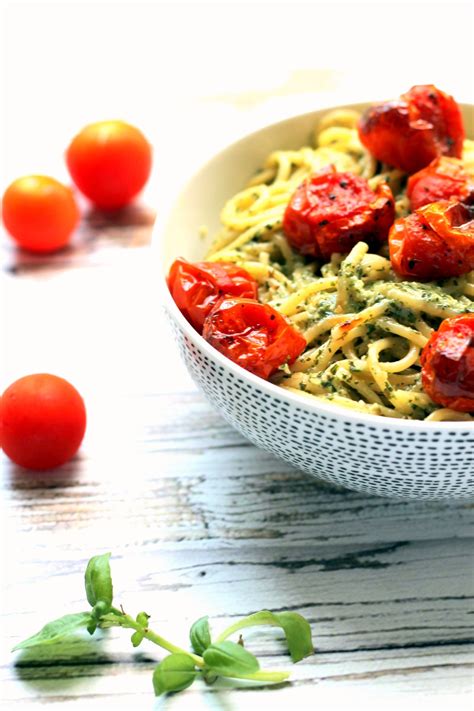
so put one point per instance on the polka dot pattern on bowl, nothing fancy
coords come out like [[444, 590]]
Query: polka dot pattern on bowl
[[374, 458]]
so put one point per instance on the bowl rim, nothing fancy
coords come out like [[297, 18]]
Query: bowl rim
[[299, 401]]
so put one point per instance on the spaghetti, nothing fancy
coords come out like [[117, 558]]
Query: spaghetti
[[364, 326]]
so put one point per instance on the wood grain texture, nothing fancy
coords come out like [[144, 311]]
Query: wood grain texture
[[201, 522]]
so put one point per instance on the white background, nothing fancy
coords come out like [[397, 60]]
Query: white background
[[67, 64]]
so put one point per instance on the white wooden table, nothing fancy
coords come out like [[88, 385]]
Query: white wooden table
[[198, 521]]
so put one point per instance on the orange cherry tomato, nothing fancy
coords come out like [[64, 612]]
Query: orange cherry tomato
[[447, 364], [331, 211], [110, 162], [443, 179], [414, 130], [42, 421], [434, 242], [39, 213], [253, 335], [196, 288]]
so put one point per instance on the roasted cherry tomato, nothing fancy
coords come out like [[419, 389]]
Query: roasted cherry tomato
[[414, 130], [42, 421], [196, 288], [447, 364], [331, 211], [110, 163], [444, 179], [40, 213], [253, 335], [434, 242]]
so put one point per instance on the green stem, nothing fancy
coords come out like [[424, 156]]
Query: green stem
[[156, 639], [262, 675], [235, 628], [130, 623]]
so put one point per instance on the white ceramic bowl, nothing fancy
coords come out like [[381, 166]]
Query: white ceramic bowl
[[384, 456]]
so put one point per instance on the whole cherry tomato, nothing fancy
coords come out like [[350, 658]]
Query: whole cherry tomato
[[110, 162], [414, 130], [434, 242], [42, 421], [196, 288], [443, 179], [39, 213], [331, 211], [253, 335], [447, 363]]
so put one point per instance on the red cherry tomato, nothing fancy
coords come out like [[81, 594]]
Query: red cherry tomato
[[196, 288], [332, 211], [447, 364], [444, 179], [110, 162], [43, 420], [39, 213], [411, 132], [434, 242], [253, 335]]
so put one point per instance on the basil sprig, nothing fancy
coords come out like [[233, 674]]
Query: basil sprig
[[209, 659]]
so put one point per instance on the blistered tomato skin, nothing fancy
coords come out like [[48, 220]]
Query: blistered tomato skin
[[330, 211], [42, 421], [434, 242], [447, 363], [443, 179], [253, 335], [196, 288], [443, 113], [411, 132]]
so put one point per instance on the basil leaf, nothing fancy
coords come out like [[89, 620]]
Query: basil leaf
[[92, 625], [298, 634], [55, 630], [98, 582], [200, 635], [175, 673], [136, 638], [227, 658], [297, 630], [142, 619]]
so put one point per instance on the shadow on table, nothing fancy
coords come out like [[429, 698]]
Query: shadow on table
[[22, 479], [98, 231], [64, 664]]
